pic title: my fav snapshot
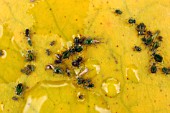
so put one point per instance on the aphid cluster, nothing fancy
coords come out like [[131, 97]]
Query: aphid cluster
[[86, 83], [77, 47], [152, 41]]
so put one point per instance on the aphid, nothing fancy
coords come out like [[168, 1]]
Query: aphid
[[141, 28], [48, 67], [58, 56], [80, 81], [78, 48], [90, 41], [48, 52], [66, 54], [30, 56], [158, 58], [19, 89], [160, 38], [1, 53], [91, 85], [155, 45], [117, 11], [166, 70], [58, 61], [72, 50], [132, 21], [52, 43], [153, 68], [58, 70], [76, 62], [27, 34], [68, 72], [137, 48], [81, 40], [149, 40], [28, 69], [76, 40]]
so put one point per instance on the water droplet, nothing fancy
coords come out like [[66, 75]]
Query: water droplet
[[102, 110], [111, 87], [2, 107], [97, 68], [80, 97], [5, 54], [132, 74], [34, 104]]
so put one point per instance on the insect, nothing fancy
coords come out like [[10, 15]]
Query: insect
[[141, 28], [19, 89], [132, 21], [155, 45], [89, 41], [76, 62], [66, 54], [158, 57], [52, 43], [48, 52], [49, 67], [76, 40], [27, 34], [78, 48], [68, 72], [30, 56], [153, 68], [137, 48], [166, 70], [28, 69], [118, 11], [58, 70]]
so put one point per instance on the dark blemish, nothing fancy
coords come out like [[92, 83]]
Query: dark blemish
[[50, 9], [48, 52], [52, 43], [1, 53], [14, 98], [101, 23]]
